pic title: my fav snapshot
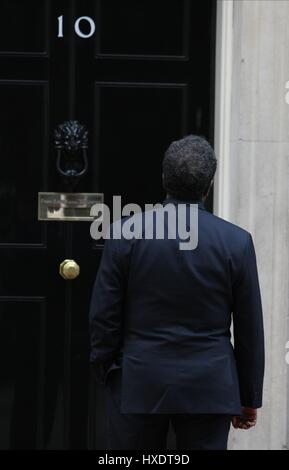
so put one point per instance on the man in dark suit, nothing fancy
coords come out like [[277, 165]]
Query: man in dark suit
[[160, 322]]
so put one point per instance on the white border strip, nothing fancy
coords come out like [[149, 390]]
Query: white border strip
[[223, 87]]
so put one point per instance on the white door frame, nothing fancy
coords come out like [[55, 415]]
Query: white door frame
[[223, 87]]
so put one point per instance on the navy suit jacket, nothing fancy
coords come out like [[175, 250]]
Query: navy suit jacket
[[164, 315]]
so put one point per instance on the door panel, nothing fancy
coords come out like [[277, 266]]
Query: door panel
[[148, 29], [23, 141], [139, 117], [28, 31], [144, 78], [22, 375]]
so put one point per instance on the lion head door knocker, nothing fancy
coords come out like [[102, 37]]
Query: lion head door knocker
[[70, 140]]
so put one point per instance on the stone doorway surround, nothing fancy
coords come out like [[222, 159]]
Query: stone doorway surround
[[251, 188]]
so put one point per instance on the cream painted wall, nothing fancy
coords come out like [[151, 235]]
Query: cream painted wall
[[251, 190]]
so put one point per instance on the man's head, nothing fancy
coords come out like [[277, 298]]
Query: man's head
[[189, 166]]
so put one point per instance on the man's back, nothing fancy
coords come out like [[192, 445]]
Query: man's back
[[176, 316], [161, 314]]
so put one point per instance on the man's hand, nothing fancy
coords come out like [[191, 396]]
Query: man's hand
[[247, 420]]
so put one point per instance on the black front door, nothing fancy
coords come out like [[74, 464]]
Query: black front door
[[137, 74]]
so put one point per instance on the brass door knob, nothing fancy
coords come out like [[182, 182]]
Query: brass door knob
[[69, 269]]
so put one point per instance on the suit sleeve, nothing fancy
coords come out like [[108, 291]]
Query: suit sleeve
[[106, 308], [248, 330]]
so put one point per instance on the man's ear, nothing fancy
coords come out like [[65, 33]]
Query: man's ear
[[209, 189]]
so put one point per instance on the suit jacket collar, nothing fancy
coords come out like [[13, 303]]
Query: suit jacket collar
[[172, 200]]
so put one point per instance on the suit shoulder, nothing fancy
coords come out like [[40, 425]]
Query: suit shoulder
[[228, 227]]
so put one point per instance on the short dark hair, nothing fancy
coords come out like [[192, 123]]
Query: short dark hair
[[189, 166]]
